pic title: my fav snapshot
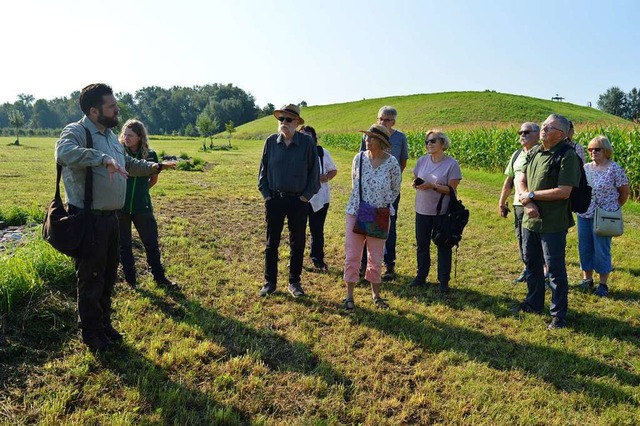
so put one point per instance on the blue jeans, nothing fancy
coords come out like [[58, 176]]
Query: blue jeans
[[594, 250], [316, 228], [546, 248]]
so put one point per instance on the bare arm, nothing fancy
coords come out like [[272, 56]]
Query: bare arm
[[403, 165], [623, 194], [153, 179], [503, 208]]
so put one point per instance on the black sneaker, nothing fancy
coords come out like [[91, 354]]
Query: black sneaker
[[444, 288], [96, 340], [167, 283], [390, 273], [267, 288], [320, 266], [522, 307], [296, 290], [556, 323], [417, 282], [112, 333], [520, 278], [585, 285]]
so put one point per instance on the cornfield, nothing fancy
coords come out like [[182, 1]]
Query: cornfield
[[490, 148]]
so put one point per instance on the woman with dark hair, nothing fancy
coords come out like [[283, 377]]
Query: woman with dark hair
[[138, 209], [319, 203]]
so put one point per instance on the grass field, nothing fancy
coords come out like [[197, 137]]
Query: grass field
[[218, 354], [450, 110]]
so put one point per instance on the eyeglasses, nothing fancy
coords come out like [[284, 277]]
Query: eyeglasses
[[431, 141], [287, 119], [385, 120], [525, 132], [548, 127], [594, 149]]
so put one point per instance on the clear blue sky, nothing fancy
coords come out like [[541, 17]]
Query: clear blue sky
[[322, 51]]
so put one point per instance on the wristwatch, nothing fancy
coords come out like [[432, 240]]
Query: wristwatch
[[531, 195]]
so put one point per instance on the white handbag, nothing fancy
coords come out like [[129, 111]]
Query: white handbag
[[607, 224]]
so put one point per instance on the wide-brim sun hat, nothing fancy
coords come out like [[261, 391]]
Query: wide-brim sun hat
[[379, 132], [291, 109]]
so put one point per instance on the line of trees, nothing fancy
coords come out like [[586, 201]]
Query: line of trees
[[173, 111], [626, 105]]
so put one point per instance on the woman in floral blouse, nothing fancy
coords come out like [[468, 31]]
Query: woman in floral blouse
[[433, 174], [610, 191], [381, 179]]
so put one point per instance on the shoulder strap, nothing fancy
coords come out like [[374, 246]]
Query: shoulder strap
[[452, 200], [514, 157], [360, 176]]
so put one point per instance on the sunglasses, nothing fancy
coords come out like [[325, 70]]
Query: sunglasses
[[525, 132], [594, 149], [548, 127], [287, 119], [431, 141]]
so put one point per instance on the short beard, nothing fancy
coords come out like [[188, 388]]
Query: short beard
[[107, 122]]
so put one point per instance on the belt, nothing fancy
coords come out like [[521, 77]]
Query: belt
[[286, 194], [73, 209]]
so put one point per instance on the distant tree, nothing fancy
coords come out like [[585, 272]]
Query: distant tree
[[302, 104], [230, 130], [207, 128], [26, 99], [43, 116], [190, 130], [266, 110], [16, 119], [633, 104], [613, 101]]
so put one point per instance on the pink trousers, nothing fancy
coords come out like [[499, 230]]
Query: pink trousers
[[353, 246]]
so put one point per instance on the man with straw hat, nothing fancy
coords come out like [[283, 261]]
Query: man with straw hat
[[289, 176]]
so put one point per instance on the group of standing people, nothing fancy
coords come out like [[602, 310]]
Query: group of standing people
[[542, 211], [289, 174]]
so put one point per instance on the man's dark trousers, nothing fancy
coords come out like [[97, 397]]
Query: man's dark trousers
[[546, 248], [295, 210], [97, 274]]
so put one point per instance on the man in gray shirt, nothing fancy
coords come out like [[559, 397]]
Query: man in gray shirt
[[96, 271], [289, 176], [400, 149]]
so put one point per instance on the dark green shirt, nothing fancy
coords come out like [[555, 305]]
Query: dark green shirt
[[555, 216], [138, 199], [292, 169]]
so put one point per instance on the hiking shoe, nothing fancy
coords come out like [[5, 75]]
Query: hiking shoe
[[417, 282], [112, 334], [390, 273], [96, 340], [444, 288], [523, 308], [556, 323], [520, 278], [602, 290], [267, 288], [585, 285], [296, 290], [167, 283], [320, 266]]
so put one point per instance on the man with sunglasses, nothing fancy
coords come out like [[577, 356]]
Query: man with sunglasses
[[289, 176], [529, 136], [544, 192], [400, 149]]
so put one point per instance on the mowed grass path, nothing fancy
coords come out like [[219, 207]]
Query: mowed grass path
[[218, 354]]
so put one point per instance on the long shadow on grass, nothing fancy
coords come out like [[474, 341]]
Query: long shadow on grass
[[176, 403], [502, 305], [239, 339], [566, 371]]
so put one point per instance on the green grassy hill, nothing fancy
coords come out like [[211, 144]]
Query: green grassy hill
[[449, 110]]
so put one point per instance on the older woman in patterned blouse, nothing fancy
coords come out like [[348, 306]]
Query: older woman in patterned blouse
[[610, 191], [381, 179]]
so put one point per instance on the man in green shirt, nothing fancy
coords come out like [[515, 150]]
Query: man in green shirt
[[544, 188]]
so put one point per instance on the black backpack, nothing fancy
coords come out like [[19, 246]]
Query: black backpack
[[580, 195], [448, 231]]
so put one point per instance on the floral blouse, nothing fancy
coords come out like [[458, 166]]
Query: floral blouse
[[380, 185], [604, 185]]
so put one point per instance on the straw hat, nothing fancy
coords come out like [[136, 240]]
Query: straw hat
[[290, 109], [381, 133]]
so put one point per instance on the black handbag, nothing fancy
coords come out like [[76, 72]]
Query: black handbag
[[448, 231], [70, 233]]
